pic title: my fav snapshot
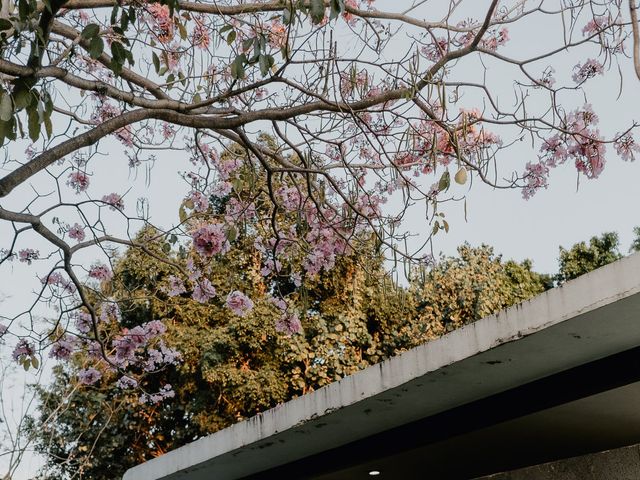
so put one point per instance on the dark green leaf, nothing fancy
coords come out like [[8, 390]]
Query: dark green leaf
[[445, 181], [156, 62], [90, 31], [237, 67], [34, 124], [231, 37], [337, 7], [5, 24], [96, 47], [6, 107], [316, 11]]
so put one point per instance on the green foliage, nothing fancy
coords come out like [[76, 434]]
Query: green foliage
[[477, 283], [583, 258], [234, 367], [635, 245]]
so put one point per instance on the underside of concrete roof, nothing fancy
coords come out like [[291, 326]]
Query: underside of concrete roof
[[593, 317]]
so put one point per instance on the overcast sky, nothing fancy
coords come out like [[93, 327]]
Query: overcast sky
[[561, 215]]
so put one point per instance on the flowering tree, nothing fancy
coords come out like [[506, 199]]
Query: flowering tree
[[322, 110]]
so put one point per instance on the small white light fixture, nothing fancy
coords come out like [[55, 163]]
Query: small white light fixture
[[374, 473]]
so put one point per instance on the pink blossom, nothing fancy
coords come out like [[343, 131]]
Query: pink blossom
[[595, 25], [175, 287], [79, 181], [23, 349], [110, 310], [289, 323], [495, 39], [239, 303], [167, 131], [77, 232], [153, 398], [154, 328], [56, 278], [160, 357], [89, 376], [237, 210], [161, 21], [200, 201], [114, 201], [277, 34], [436, 49], [203, 291], [200, 36], [536, 177], [63, 348], [94, 350], [126, 383], [27, 255], [349, 17], [588, 70], [3, 329], [554, 150], [100, 272], [222, 189], [83, 323], [290, 198], [626, 146], [589, 153], [210, 239]]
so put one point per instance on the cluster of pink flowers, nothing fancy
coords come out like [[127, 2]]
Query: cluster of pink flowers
[[495, 39], [290, 198], [176, 287], [161, 356], [595, 25], [3, 329], [78, 180], [277, 34], [435, 50], [161, 21], [289, 323], [350, 18], [239, 303], [28, 255], [105, 111], [23, 349], [137, 338], [200, 35], [125, 382], [536, 177], [153, 398], [83, 322], [167, 131], [200, 201], [203, 291], [582, 143], [110, 310], [56, 278], [100, 272], [77, 232], [89, 376], [210, 239], [114, 201], [626, 146], [587, 70], [326, 245], [63, 347], [353, 82]]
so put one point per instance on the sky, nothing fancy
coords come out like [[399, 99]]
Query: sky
[[563, 214]]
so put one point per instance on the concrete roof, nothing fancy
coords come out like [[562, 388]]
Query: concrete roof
[[589, 318]]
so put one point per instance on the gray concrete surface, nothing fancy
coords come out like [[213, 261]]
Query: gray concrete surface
[[619, 464], [589, 318]]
